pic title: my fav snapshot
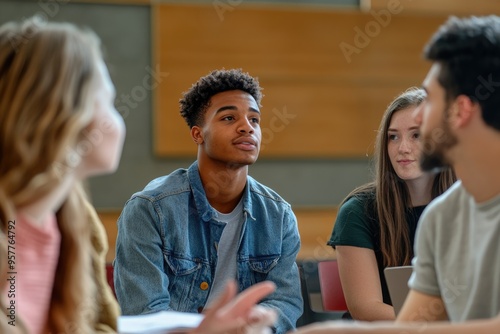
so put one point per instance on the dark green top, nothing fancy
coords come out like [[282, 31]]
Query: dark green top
[[357, 225]]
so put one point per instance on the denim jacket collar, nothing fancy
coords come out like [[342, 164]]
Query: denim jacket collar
[[205, 210]]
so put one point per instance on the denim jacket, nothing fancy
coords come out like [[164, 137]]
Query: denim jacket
[[166, 248]]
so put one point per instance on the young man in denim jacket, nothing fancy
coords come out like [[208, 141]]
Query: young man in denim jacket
[[186, 234]]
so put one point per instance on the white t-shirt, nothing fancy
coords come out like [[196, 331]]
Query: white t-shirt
[[227, 250]]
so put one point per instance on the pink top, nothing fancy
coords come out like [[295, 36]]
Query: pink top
[[36, 255]]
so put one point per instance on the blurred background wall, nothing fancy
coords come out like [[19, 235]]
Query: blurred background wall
[[332, 66], [125, 31]]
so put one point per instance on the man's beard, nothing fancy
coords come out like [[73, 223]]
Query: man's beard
[[433, 162], [434, 147]]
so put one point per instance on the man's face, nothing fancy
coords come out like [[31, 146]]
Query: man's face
[[231, 131], [432, 116]]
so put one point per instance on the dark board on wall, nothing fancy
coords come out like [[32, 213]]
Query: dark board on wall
[[125, 34], [327, 75]]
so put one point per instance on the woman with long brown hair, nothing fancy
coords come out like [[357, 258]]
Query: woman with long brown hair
[[376, 222], [58, 126]]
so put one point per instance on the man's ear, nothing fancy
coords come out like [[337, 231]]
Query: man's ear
[[462, 111], [197, 135]]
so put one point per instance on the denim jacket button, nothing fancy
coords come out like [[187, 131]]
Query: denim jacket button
[[204, 285], [200, 309]]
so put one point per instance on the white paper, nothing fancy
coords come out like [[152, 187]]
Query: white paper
[[158, 323]]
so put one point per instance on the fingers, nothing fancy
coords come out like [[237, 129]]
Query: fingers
[[230, 314], [262, 315], [224, 299], [251, 296]]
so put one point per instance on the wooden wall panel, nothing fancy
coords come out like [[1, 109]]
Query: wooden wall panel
[[336, 101], [315, 227], [441, 7]]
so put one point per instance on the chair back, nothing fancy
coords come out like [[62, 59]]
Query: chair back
[[332, 294], [109, 277], [309, 280]]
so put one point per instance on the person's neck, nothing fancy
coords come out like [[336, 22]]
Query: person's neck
[[421, 189], [223, 184], [38, 211], [477, 165]]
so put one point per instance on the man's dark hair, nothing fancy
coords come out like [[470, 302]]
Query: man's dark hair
[[468, 50], [196, 100]]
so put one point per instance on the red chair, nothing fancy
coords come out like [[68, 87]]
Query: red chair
[[109, 277], [309, 285], [332, 294]]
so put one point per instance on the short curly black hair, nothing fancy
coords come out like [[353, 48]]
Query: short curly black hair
[[468, 50], [196, 100]]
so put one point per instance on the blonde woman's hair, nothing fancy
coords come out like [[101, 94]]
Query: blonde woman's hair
[[47, 71]]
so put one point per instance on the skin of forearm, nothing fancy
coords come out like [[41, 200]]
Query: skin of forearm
[[475, 327], [373, 311], [338, 327]]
